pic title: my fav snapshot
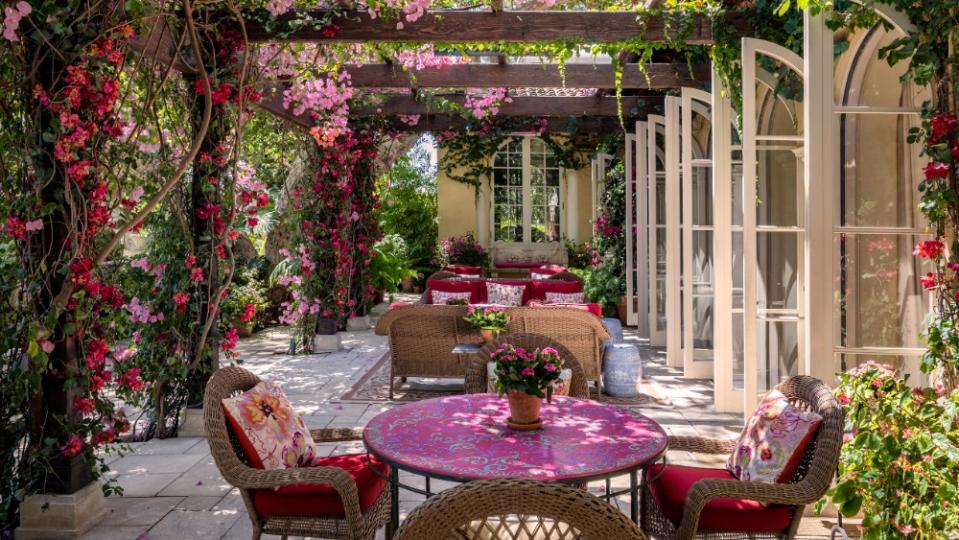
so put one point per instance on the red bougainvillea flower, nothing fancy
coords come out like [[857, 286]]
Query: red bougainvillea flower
[[230, 339], [180, 299], [935, 170], [196, 274], [16, 227], [97, 350], [929, 249], [943, 125], [131, 379], [72, 447], [248, 313], [929, 281], [190, 261], [84, 405]]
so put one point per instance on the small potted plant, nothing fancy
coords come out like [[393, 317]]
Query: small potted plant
[[490, 320], [526, 377]]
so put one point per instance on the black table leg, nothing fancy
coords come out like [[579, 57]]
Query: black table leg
[[394, 503], [633, 496], [607, 489], [429, 492]]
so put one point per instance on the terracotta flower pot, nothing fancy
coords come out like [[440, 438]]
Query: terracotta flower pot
[[524, 408], [489, 334]]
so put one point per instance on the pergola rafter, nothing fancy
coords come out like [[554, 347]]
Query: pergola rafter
[[632, 106], [657, 76], [504, 26]]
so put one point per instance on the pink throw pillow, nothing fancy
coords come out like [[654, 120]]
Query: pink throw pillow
[[565, 298], [773, 442], [269, 431]]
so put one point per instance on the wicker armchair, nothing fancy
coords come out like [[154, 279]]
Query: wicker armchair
[[353, 525], [565, 275], [517, 510], [808, 484], [477, 375]]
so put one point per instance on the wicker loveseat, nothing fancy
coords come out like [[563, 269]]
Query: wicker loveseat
[[422, 337]]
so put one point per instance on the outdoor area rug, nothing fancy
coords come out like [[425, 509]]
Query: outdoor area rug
[[374, 387]]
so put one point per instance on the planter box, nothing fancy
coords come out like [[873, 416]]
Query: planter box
[[325, 343], [326, 327], [360, 322]]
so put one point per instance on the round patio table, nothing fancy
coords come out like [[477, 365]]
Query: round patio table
[[465, 437]]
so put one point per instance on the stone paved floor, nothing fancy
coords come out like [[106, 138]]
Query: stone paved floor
[[172, 490]]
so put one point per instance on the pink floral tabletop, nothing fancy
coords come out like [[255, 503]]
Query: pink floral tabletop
[[465, 437]]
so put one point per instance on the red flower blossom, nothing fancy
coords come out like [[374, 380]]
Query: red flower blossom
[[248, 313], [929, 249], [131, 379], [190, 261], [181, 299], [942, 126], [97, 350], [929, 281], [196, 274], [17, 228], [84, 405], [72, 447], [935, 170], [230, 339]]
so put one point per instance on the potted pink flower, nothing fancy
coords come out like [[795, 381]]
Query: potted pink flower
[[489, 320], [526, 377]]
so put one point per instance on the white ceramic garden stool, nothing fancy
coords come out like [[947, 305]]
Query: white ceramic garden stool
[[622, 370]]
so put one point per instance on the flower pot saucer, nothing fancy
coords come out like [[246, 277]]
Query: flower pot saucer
[[518, 426]]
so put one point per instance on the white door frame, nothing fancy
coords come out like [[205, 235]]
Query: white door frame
[[750, 49], [655, 153], [697, 363], [635, 231], [674, 284]]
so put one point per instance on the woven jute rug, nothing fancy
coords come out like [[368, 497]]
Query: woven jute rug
[[374, 387]]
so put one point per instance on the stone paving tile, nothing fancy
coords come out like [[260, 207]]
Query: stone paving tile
[[182, 524], [115, 532], [203, 479], [138, 511], [199, 502], [155, 464], [144, 484]]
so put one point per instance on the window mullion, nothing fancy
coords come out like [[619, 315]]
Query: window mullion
[[527, 202]]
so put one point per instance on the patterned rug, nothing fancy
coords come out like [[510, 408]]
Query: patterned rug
[[374, 387]]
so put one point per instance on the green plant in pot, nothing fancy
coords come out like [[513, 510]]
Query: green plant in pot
[[604, 288], [489, 320], [390, 265]]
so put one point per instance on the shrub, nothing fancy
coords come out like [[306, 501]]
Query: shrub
[[463, 250], [408, 209], [900, 460], [390, 264]]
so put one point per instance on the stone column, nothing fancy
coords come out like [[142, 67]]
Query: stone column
[[572, 204]]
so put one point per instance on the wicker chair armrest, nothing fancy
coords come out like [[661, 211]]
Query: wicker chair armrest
[[701, 445], [337, 434], [708, 489]]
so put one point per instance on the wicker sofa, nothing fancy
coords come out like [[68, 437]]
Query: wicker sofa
[[422, 337]]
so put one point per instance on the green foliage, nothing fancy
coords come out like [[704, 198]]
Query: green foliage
[[247, 289], [408, 208], [390, 264], [602, 287], [490, 318], [900, 461], [578, 255]]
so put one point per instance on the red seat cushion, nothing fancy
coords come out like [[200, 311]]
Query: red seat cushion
[[319, 500], [669, 491], [451, 285], [546, 270], [542, 286], [395, 305]]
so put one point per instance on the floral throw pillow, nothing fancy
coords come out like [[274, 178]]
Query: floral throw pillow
[[504, 295], [270, 432], [560, 387], [442, 297], [565, 298], [773, 442]]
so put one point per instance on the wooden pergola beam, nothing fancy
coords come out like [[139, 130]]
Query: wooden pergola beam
[[537, 106], [507, 26], [574, 125], [657, 76]]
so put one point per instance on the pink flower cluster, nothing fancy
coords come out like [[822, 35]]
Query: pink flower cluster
[[484, 104], [324, 97], [11, 19]]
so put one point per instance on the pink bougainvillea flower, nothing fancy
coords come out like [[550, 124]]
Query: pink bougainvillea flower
[[35, 225], [929, 249]]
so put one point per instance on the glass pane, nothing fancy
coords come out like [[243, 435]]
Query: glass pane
[[779, 266], [703, 322], [660, 200], [702, 195], [861, 78], [779, 187], [879, 300], [738, 270], [703, 261], [879, 171], [538, 224], [737, 183], [661, 304], [779, 108], [700, 130], [738, 354], [778, 347]]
